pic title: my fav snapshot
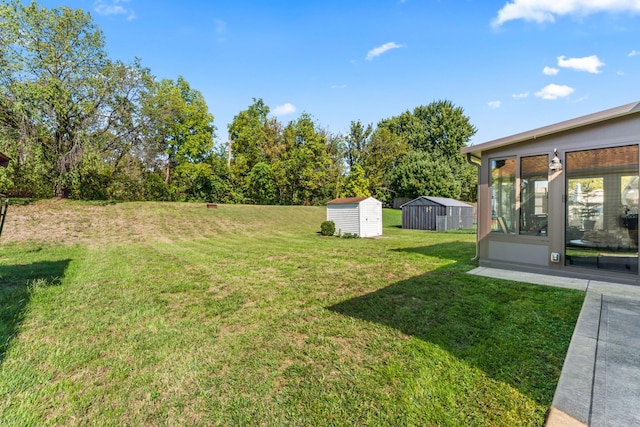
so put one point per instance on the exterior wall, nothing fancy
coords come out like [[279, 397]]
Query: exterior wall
[[522, 253], [370, 218], [533, 253], [423, 214], [363, 219], [459, 217], [469, 218], [346, 217], [421, 217]]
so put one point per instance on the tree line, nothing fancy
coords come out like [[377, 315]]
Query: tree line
[[78, 124]]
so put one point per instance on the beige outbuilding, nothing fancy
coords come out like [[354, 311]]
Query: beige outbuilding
[[563, 199]]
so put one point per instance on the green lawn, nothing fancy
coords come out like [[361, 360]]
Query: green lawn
[[174, 314]]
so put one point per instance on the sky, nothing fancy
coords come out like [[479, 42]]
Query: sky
[[512, 66]]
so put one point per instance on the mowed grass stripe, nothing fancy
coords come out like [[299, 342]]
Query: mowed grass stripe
[[244, 315]]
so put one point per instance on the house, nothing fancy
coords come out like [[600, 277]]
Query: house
[[437, 214], [356, 215], [563, 199]]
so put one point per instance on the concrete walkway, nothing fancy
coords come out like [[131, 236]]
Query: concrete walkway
[[600, 380]]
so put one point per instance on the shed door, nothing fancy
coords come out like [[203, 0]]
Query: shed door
[[371, 223]]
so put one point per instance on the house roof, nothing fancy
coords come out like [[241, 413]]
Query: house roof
[[443, 201], [4, 160], [612, 113], [348, 200]]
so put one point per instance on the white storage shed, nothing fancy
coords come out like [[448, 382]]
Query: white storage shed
[[356, 215]]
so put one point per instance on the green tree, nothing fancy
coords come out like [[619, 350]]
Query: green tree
[[355, 184], [48, 55], [261, 184], [61, 94], [194, 182], [422, 174], [438, 131], [308, 161], [440, 128], [248, 134], [335, 150], [356, 142], [380, 158], [467, 175], [178, 124]]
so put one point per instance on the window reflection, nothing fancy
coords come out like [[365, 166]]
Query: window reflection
[[534, 188], [602, 209], [503, 195]]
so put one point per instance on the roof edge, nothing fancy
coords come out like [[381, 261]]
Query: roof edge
[[589, 119], [349, 200]]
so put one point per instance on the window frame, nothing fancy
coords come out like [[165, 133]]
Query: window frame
[[495, 226], [499, 226], [541, 219]]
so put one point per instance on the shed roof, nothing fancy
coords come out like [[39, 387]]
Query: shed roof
[[612, 113], [4, 160], [443, 201], [348, 200]]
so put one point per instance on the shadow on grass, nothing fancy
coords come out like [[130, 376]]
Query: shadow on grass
[[17, 282], [460, 252], [515, 333]]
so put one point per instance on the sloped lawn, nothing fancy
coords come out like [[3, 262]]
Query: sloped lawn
[[175, 314]]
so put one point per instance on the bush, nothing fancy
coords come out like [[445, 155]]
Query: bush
[[350, 236], [328, 228]]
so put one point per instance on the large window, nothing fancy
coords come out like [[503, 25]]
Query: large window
[[503, 195], [534, 187], [602, 209]]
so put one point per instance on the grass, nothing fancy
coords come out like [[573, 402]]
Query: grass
[[245, 315]]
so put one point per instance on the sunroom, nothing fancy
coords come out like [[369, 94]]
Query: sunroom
[[563, 199]]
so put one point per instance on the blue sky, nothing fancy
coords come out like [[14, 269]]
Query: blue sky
[[511, 65]]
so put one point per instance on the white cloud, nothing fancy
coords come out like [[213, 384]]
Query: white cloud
[[554, 91], [377, 51], [546, 10], [494, 104], [284, 109], [113, 7], [634, 53], [590, 64], [550, 71], [221, 26], [520, 95]]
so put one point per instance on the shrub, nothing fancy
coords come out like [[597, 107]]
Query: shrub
[[350, 236], [328, 228]]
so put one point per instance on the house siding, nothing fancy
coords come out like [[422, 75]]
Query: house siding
[[361, 216], [346, 217], [424, 214], [532, 253]]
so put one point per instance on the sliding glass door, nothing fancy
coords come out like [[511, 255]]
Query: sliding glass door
[[602, 209]]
